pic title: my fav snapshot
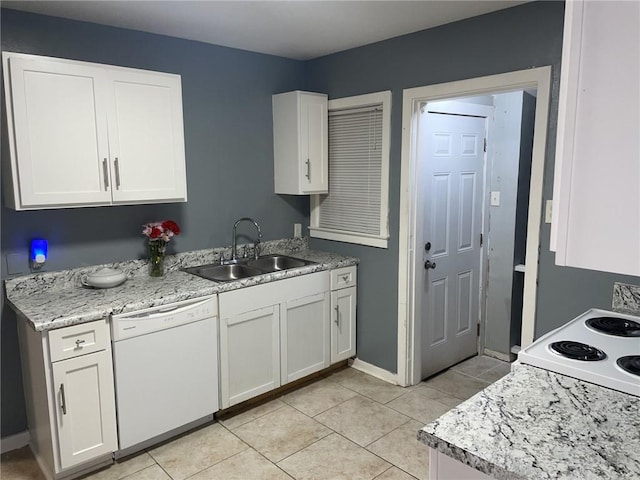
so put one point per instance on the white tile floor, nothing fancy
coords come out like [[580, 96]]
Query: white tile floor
[[348, 425]]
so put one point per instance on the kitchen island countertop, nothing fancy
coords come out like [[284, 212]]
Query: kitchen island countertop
[[58, 299], [536, 424]]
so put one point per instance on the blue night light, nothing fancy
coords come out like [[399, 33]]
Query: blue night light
[[38, 255]]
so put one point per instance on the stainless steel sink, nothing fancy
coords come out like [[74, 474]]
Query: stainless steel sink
[[247, 268], [224, 273], [275, 263]]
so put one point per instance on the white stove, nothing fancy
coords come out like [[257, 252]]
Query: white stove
[[599, 347]]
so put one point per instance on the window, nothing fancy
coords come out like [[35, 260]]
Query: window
[[356, 209]]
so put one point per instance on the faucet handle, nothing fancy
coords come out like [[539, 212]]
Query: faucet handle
[[256, 248], [221, 258]]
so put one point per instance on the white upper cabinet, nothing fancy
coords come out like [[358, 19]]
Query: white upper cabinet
[[84, 134], [300, 143], [596, 214], [145, 136]]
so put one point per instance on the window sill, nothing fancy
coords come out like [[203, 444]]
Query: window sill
[[357, 238]]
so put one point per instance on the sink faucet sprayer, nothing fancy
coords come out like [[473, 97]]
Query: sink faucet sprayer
[[256, 253]]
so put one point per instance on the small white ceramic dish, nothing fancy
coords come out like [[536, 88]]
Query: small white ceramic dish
[[104, 278]]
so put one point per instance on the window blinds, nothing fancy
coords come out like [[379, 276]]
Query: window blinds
[[355, 168]]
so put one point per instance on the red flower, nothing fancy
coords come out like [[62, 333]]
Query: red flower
[[171, 225], [155, 233]]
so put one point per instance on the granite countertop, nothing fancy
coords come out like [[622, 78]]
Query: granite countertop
[[58, 299], [536, 424]]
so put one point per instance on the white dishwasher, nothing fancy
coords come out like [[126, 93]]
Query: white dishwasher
[[166, 368]]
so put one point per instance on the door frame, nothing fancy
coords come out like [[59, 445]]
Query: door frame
[[413, 98]]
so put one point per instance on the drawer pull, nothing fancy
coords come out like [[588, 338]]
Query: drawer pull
[[63, 402], [345, 278], [79, 343]]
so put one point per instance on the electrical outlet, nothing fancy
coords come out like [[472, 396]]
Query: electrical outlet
[[297, 230], [17, 263], [548, 211], [495, 199]]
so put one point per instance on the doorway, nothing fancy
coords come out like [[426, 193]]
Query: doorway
[[410, 255], [451, 153]]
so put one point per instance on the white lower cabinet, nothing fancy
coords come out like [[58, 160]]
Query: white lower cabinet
[[343, 313], [249, 354], [343, 324], [69, 393], [272, 334], [85, 408], [443, 467], [304, 336]]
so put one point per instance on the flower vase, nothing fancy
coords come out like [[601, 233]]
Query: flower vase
[[157, 249]]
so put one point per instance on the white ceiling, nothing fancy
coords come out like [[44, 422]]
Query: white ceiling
[[294, 29]]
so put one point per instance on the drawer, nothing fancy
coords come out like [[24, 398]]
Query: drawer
[[78, 340], [343, 277]]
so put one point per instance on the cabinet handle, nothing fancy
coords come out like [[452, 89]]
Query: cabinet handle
[[345, 278], [308, 175], [63, 401], [79, 343], [117, 165], [337, 320], [105, 173]]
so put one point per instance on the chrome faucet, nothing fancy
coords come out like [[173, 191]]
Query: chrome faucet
[[234, 253]]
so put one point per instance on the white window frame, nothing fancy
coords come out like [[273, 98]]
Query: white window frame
[[382, 240]]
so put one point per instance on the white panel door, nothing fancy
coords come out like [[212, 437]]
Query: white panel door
[[60, 126], [451, 156], [313, 144], [146, 138], [85, 407], [304, 336], [343, 324], [249, 354]]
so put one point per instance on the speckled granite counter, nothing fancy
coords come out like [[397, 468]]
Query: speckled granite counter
[[535, 424], [58, 299]]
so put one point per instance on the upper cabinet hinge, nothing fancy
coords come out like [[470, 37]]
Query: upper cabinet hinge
[[481, 239], [478, 329], [485, 144]]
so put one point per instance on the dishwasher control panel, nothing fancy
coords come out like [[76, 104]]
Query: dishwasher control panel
[[153, 319]]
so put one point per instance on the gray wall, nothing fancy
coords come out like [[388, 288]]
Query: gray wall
[[228, 141], [518, 38], [522, 214]]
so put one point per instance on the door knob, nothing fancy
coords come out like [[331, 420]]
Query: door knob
[[428, 264]]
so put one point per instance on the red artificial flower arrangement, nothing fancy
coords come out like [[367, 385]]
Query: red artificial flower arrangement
[[161, 230]]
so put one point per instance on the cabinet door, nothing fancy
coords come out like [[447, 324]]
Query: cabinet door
[[60, 154], [304, 336], [85, 407], [313, 144], [249, 354], [343, 324], [146, 139], [597, 173]]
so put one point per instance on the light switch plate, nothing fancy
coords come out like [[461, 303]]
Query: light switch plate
[[495, 199], [548, 211], [17, 263], [297, 230]]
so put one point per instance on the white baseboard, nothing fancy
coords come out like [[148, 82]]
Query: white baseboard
[[505, 357], [14, 442], [374, 371]]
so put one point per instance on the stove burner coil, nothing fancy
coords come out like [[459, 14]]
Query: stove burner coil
[[577, 351], [630, 364], [620, 327]]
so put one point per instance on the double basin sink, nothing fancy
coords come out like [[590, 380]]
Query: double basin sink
[[244, 268]]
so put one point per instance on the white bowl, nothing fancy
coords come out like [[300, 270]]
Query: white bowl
[[104, 278]]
